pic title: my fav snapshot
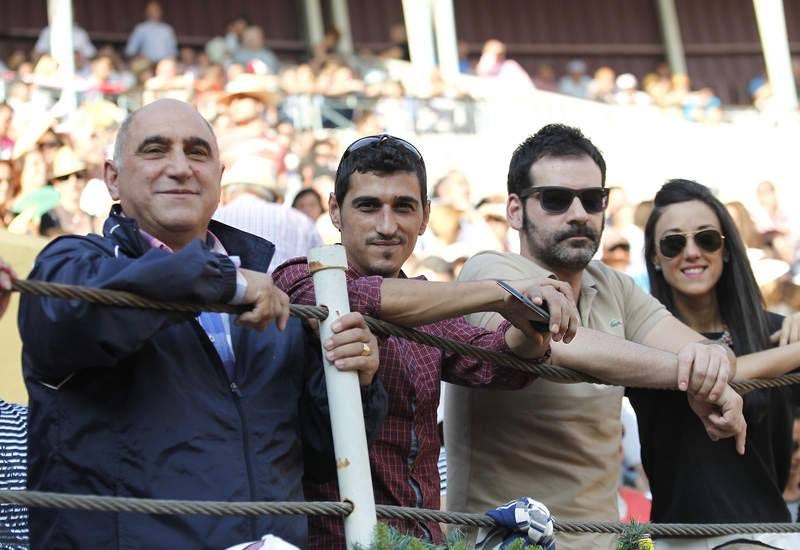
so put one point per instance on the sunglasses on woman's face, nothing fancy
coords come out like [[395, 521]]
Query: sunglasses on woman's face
[[673, 244], [557, 200]]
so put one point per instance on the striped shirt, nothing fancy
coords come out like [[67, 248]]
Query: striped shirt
[[13, 472], [292, 232]]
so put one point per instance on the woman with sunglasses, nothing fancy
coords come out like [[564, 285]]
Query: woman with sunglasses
[[698, 268]]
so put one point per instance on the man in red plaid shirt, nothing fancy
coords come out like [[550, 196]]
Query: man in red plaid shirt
[[380, 207]]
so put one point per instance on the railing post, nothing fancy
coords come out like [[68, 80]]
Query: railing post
[[328, 265]]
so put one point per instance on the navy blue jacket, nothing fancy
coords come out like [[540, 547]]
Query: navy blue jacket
[[136, 403]]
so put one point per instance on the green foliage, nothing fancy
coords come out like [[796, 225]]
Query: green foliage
[[635, 537]]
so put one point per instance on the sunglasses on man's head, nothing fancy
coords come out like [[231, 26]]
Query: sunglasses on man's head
[[557, 200], [673, 244], [369, 140]]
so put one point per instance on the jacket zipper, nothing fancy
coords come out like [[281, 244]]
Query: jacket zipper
[[246, 446], [236, 396]]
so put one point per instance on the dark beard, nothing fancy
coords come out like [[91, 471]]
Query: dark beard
[[552, 250]]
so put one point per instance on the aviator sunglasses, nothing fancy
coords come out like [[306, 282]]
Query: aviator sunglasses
[[380, 138], [709, 240], [557, 200]]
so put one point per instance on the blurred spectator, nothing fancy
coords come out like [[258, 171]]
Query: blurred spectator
[[679, 91], [246, 132], [576, 82], [326, 49], [252, 48], [153, 38], [745, 224], [69, 179], [9, 187], [102, 81], [234, 34], [616, 251], [627, 94], [702, 106], [6, 142], [545, 78], [464, 63], [792, 492], [399, 44], [190, 62], [248, 196], [454, 189], [433, 268], [773, 223], [167, 82], [80, 42], [509, 74], [604, 85], [309, 202]]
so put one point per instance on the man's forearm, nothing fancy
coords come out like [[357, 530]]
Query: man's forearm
[[413, 303], [616, 360]]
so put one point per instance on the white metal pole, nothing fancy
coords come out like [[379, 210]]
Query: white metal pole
[[444, 20], [341, 19], [673, 43], [62, 49], [777, 57], [313, 16], [419, 33], [328, 265]]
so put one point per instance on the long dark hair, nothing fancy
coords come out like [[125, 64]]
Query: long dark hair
[[740, 302]]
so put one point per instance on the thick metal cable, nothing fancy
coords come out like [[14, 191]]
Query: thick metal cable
[[93, 503], [551, 372]]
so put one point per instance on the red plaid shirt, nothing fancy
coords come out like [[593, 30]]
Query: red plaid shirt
[[404, 457]]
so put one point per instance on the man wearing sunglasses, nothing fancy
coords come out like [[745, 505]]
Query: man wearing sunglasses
[[380, 206], [566, 437]]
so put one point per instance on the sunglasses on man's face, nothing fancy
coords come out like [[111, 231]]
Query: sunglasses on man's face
[[673, 244], [369, 140], [558, 200]]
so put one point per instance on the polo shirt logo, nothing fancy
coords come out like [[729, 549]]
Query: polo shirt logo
[[615, 323]]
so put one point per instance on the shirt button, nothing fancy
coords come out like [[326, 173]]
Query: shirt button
[[211, 338]]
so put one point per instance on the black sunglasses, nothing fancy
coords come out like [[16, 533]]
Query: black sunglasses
[[709, 240], [380, 138], [557, 200]]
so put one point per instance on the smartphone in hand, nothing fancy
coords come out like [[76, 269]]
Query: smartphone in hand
[[543, 323]]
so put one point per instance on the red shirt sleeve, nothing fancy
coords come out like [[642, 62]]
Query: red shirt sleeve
[[294, 278]]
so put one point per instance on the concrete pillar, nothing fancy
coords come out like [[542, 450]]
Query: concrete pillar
[[671, 31], [312, 12], [419, 32], [59, 16], [444, 20], [341, 20], [777, 56]]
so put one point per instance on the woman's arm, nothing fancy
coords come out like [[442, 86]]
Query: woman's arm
[[768, 363]]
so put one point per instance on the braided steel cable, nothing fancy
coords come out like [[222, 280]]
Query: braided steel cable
[[94, 503], [551, 372]]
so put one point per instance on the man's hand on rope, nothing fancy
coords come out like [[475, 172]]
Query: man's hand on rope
[[705, 369], [6, 276], [722, 418], [353, 347], [557, 296], [269, 303]]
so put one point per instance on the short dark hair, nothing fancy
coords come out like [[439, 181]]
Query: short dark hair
[[740, 302], [383, 157], [553, 140]]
